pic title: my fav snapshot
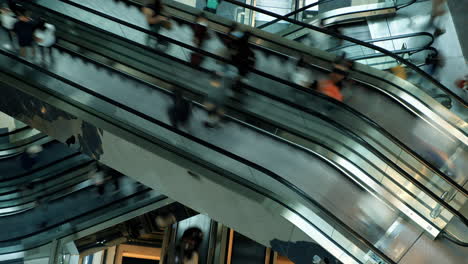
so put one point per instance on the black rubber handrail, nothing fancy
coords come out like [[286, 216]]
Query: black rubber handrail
[[216, 57], [410, 35], [189, 136], [375, 125], [9, 133], [293, 13], [337, 125], [410, 51]]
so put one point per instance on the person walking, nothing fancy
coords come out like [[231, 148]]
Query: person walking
[[153, 14], [45, 39], [8, 20], [24, 31], [438, 10]]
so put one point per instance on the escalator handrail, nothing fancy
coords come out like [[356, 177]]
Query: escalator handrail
[[397, 7], [359, 42], [330, 100], [189, 136], [10, 147], [410, 35], [31, 195]]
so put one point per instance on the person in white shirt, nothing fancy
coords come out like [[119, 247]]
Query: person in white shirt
[[8, 20], [45, 38]]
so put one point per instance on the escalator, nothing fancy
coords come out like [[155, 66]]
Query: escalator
[[267, 65], [130, 113], [175, 177], [120, 52], [15, 137], [56, 198]]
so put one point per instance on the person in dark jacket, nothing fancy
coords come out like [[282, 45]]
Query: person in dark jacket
[[181, 110]]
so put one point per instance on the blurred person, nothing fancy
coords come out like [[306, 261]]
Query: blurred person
[[438, 10], [181, 110], [187, 250], [212, 5], [44, 36], [341, 68], [301, 75], [156, 21], [24, 31], [8, 20], [200, 35], [30, 157], [319, 260]]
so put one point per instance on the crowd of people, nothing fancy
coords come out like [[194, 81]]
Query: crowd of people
[[228, 82], [26, 33]]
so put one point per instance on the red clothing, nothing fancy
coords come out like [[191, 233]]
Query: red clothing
[[329, 88]]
